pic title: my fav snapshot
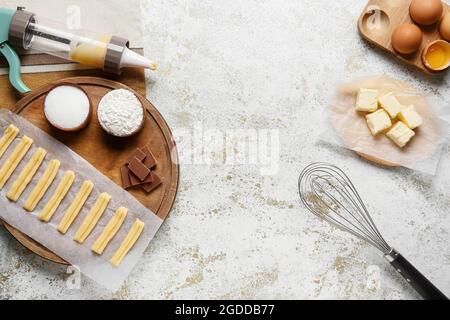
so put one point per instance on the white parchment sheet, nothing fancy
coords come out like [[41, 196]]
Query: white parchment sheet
[[95, 267]]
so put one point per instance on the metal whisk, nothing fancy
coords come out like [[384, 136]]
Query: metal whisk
[[329, 194]]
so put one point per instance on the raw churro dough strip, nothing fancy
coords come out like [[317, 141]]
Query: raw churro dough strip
[[14, 159], [75, 208], [42, 186], [8, 137], [26, 175], [110, 230], [92, 218], [63, 187], [128, 243]]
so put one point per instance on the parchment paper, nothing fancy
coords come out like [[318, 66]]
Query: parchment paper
[[95, 267], [348, 128]]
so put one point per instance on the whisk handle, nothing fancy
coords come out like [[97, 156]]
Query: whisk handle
[[413, 276]]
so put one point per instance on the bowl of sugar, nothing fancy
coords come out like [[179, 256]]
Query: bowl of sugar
[[67, 107]]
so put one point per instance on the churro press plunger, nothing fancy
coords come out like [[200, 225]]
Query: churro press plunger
[[24, 30], [329, 194]]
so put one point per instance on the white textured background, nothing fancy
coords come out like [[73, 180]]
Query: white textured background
[[265, 64]]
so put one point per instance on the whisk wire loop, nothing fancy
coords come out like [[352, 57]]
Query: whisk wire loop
[[329, 194], [360, 227]]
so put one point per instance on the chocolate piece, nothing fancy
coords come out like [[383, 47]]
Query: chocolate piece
[[124, 173], [156, 181], [136, 182], [149, 161], [138, 168], [136, 154]]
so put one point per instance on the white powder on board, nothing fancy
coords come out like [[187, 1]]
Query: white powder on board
[[66, 107], [120, 112]]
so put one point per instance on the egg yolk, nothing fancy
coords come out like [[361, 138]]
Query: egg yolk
[[436, 56]]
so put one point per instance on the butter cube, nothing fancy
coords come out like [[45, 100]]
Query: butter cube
[[390, 104], [410, 117], [378, 121], [366, 100], [400, 134]]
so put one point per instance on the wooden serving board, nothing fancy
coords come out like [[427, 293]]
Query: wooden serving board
[[379, 20], [105, 152]]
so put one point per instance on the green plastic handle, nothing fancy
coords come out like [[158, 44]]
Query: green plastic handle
[[14, 68]]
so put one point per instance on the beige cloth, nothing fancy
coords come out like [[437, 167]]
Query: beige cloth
[[348, 128]]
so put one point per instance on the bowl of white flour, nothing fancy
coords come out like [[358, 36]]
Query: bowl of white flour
[[120, 113]]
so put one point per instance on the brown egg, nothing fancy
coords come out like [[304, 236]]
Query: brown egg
[[444, 27], [407, 38], [426, 12]]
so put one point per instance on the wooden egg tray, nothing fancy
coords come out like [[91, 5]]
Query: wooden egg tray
[[379, 20]]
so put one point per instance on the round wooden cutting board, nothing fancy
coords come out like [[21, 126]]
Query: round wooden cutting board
[[105, 152]]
